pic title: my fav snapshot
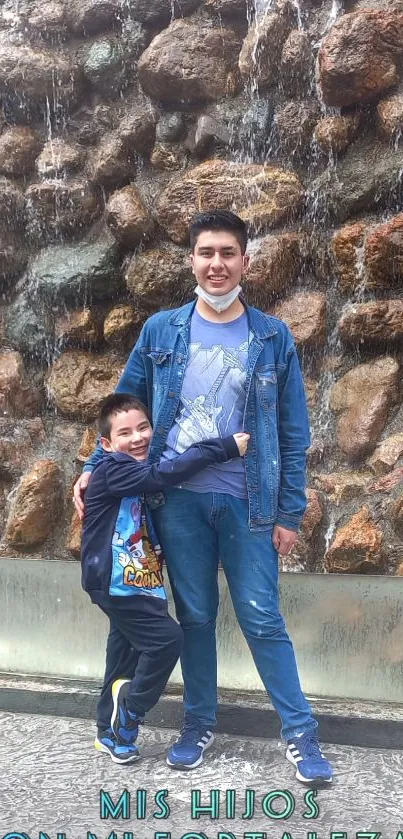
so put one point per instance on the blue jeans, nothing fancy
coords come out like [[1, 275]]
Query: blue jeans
[[196, 530]]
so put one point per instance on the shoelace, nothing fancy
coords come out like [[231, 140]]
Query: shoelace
[[191, 733], [310, 746]]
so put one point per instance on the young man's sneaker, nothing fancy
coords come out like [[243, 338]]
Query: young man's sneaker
[[312, 767], [106, 742], [124, 723], [187, 752]]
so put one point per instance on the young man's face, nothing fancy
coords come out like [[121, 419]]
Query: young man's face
[[217, 261], [130, 433]]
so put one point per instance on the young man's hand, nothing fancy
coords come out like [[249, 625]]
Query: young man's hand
[[242, 440], [78, 493], [283, 539]]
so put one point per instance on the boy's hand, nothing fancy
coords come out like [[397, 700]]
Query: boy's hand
[[242, 440], [78, 493]]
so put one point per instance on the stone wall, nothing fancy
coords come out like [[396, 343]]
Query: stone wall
[[118, 120]]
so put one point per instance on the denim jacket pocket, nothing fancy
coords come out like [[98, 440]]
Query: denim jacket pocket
[[267, 388]]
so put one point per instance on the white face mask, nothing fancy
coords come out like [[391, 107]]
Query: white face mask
[[219, 303]]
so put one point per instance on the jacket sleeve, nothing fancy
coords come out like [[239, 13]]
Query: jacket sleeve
[[126, 476], [133, 381], [294, 440]]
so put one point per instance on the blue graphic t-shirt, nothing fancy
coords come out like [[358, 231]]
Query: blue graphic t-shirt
[[213, 400], [136, 566]]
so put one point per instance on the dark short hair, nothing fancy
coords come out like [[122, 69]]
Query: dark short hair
[[218, 220], [117, 403]]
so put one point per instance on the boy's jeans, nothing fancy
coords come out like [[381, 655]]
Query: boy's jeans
[[195, 531]]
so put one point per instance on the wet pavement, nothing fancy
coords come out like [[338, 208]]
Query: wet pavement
[[52, 777]]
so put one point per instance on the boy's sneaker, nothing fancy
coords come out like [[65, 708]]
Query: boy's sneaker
[[187, 752], [105, 741], [312, 767], [124, 723]]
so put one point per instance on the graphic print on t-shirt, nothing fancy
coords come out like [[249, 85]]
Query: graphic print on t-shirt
[[213, 392], [136, 568]]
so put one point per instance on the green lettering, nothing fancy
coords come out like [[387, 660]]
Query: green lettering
[[212, 809], [116, 811], [310, 801], [289, 804], [160, 798]]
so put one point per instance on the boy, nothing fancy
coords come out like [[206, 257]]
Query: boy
[[121, 567]]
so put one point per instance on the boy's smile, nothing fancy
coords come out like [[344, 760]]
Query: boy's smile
[[130, 433]]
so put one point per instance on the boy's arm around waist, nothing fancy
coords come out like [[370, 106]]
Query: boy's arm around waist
[[126, 476], [133, 380]]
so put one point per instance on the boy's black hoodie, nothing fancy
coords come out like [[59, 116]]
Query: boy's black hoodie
[[115, 563]]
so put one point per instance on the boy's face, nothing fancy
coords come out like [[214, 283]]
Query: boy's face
[[217, 261], [130, 433]]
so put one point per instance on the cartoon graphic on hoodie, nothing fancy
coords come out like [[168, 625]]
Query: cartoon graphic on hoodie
[[136, 565]]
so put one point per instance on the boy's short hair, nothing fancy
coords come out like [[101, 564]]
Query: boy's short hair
[[218, 220], [117, 403]]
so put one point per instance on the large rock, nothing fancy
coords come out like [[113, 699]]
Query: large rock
[[28, 327], [122, 325], [274, 266], [368, 323], [161, 12], [390, 116], [357, 547], [28, 73], [296, 63], [189, 63], [261, 195], [60, 157], [384, 252], [19, 147], [12, 205], [295, 125], [342, 487], [260, 55], [73, 542], [13, 256], [87, 17], [386, 454], [128, 218], [160, 278], [367, 177], [334, 134], [80, 270], [313, 513], [38, 506], [358, 58], [61, 208], [104, 66], [363, 397], [113, 162], [87, 444], [347, 247], [227, 8], [305, 314], [82, 328], [17, 396], [78, 381]]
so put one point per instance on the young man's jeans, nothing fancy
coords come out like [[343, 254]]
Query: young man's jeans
[[196, 530]]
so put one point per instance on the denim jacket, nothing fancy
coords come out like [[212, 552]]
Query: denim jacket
[[275, 411]]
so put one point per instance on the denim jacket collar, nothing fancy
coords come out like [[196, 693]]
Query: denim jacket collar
[[263, 326]]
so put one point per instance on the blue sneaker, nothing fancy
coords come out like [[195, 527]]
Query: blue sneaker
[[124, 723], [105, 741], [312, 767], [187, 752]]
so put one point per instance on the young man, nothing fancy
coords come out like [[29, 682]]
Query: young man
[[121, 566], [215, 367]]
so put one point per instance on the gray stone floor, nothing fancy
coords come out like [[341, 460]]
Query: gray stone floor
[[51, 777]]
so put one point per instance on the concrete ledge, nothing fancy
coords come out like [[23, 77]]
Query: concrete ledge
[[343, 722]]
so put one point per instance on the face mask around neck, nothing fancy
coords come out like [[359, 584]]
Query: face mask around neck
[[219, 303]]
